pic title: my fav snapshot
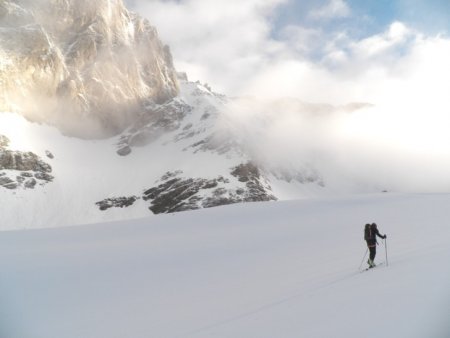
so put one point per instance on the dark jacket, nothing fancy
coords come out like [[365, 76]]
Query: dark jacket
[[372, 239]]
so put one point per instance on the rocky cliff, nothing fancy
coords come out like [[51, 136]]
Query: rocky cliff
[[88, 67]]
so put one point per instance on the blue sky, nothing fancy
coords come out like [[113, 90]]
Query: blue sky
[[370, 16]]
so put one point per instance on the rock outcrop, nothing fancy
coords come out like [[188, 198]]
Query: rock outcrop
[[21, 169], [157, 121], [181, 194], [116, 202], [176, 193]]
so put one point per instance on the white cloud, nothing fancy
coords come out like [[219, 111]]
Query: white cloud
[[333, 9], [301, 39], [401, 141], [214, 41], [394, 37]]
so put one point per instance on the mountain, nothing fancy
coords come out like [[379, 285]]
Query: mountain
[[87, 67], [97, 125], [188, 155]]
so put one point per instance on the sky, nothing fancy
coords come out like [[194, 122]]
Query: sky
[[235, 41], [391, 54], [370, 17]]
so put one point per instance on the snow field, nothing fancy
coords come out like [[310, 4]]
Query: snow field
[[284, 269]]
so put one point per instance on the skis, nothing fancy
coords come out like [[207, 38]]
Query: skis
[[373, 267]]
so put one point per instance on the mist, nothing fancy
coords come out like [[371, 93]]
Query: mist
[[397, 139], [353, 148]]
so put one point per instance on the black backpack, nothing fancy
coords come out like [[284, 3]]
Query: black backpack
[[368, 232]]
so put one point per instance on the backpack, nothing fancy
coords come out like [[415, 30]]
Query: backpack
[[368, 232]]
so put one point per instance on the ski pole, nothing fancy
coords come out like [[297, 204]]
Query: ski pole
[[363, 259], [385, 249]]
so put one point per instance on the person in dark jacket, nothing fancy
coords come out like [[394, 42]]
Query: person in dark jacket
[[371, 231]]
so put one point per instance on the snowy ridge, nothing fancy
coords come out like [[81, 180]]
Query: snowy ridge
[[256, 270]]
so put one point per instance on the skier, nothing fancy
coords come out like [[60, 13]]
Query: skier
[[370, 233]]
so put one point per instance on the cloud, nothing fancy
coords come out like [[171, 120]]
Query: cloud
[[215, 40], [332, 10], [396, 36], [302, 40], [399, 143]]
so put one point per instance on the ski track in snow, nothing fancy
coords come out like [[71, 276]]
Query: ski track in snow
[[293, 297]]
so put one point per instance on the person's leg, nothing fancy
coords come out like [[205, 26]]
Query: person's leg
[[373, 252]]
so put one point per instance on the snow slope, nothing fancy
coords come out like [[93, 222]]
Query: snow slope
[[191, 135], [286, 269], [88, 171]]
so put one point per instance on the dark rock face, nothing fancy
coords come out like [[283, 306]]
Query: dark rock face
[[21, 169], [257, 189], [246, 172], [30, 184], [116, 202], [174, 193], [8, 183], [155, 121], [219, 142], [49, 154], [23, 161], [193, 122], [124, 151], [179, 194]]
